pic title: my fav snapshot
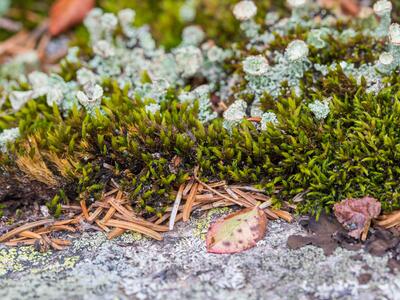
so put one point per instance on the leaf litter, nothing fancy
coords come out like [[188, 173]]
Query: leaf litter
[[237, 232], [114, 215]]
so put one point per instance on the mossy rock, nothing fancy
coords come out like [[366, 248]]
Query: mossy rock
[[352, 153]]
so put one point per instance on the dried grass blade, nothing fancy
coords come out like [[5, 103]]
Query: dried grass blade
[[71, 207], [248, 198], [25, 227], [115, 233], [62, 227], [188, 187], [84, 209], [30, 234], [65, 222], [142, 222], [51, 243], [102, 226], [222, 203], [95, 214], [110, 213], [390, 221], [134, 227], [175, 207], [189, 202], [162, 219], [283, 215], [261, 197], [240, 203], [265, 204], [109, 193], [62, 242], [29, 242], [270, 214], [246, 188], [365, 230], [218, 184]]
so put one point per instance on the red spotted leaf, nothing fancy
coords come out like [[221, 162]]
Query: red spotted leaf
[[66, 13], [237, 232], [355, 214]]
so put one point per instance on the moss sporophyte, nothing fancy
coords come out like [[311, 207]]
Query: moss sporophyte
[[297, 102]]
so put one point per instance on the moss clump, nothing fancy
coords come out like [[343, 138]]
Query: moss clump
[[350, 154], [136, 134]]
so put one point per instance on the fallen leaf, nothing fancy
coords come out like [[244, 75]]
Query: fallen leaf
[[356, 214], [237, 232], [66, 13]]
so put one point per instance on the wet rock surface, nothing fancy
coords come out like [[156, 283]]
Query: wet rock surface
[[133, 267]]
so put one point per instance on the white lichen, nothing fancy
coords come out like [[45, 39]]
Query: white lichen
[[192, 35], [8, 136], [234, 114], [383, 9], [255, 65], [268, 117], [297, 50], [320, 109], [244, 10], [189, 60]]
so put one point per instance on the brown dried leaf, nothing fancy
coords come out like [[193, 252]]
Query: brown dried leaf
[[237, 232], [355, 214], [347, 7], [66, 13]]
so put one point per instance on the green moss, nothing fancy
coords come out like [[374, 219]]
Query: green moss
[[354, 152]]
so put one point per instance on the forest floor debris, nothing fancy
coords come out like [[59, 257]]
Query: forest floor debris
[[114, 215]]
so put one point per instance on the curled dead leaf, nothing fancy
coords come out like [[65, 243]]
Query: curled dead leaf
[[237, 232], [66, 13], [356, 214]]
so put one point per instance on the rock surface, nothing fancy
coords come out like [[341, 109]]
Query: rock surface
[[132, 267]]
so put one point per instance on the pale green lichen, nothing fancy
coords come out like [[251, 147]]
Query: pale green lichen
[[202, 224], [320, 109], [8, 136], [20, 259], [383, 9]]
